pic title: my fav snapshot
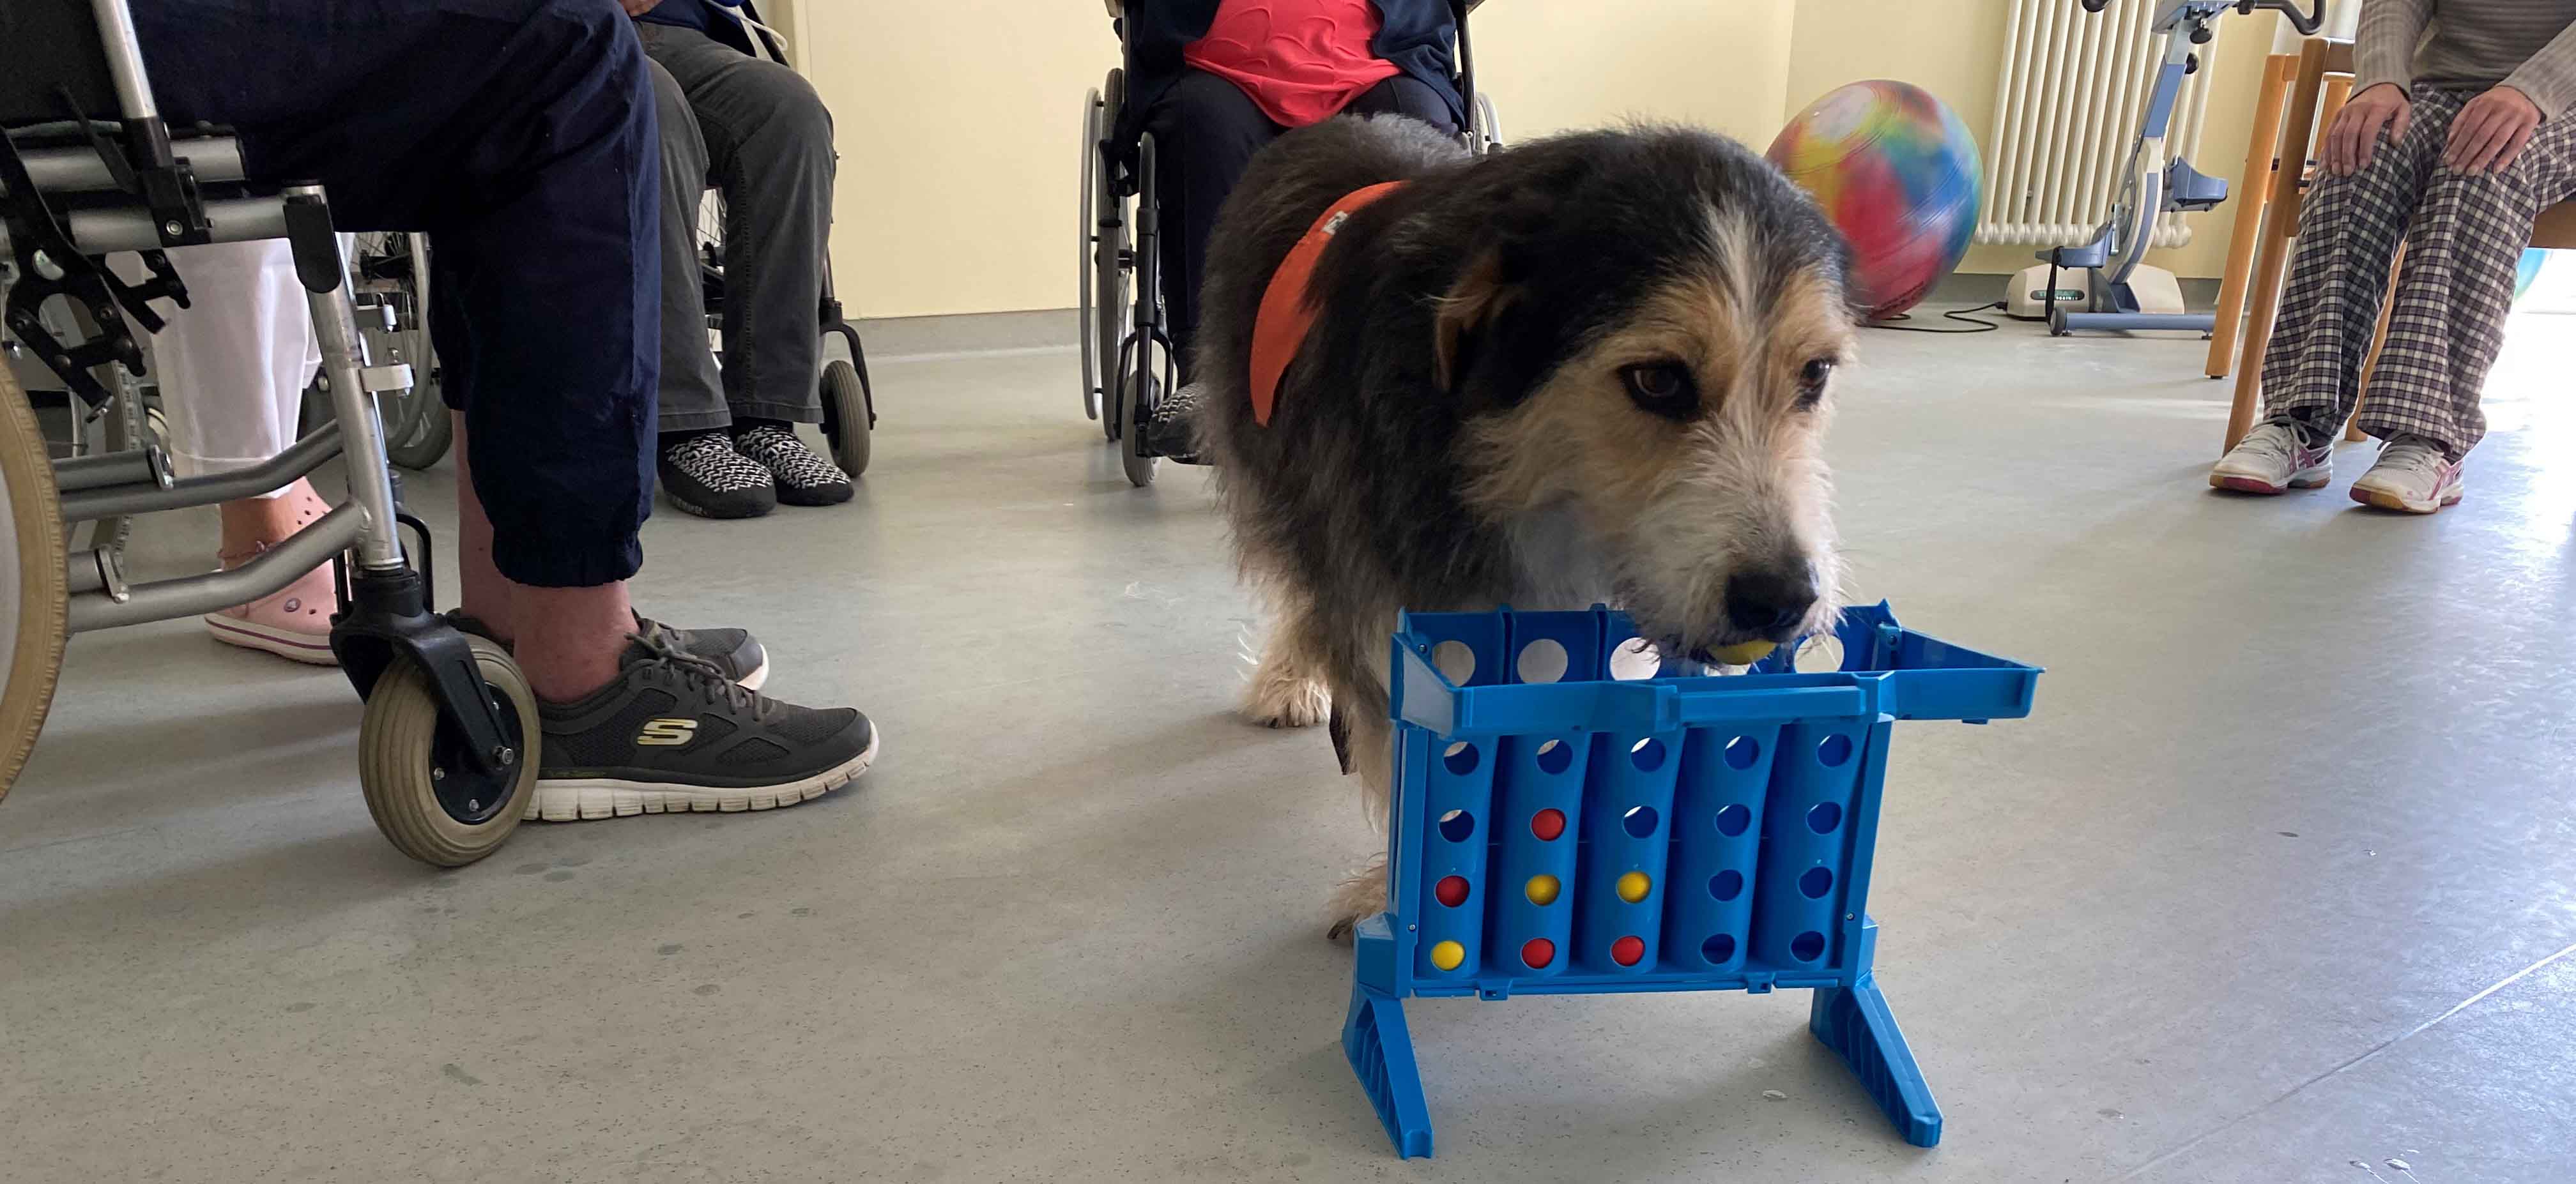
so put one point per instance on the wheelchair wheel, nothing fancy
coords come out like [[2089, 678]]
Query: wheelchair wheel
[[1108, 227], [1089, 344], [845, 403], [426, 797], [33, 594], [417, 428], [423, 433], [1139, 395]]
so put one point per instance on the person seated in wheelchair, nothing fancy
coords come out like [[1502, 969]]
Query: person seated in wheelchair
[[521, 136], [756, 130], [1215, 80], [2460, 130]]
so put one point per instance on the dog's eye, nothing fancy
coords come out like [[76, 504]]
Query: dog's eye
[[1662, 388], [1811, 381]]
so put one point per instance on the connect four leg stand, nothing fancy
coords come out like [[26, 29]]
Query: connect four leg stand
[[1855, 1023], [1381, 1052]]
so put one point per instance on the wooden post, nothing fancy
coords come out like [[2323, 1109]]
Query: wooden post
[[2280, 225], [2262, 155]]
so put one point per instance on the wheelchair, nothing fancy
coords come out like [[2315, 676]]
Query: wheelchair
[[1125, 352], [848, 398], [393, 269], [447, 742]]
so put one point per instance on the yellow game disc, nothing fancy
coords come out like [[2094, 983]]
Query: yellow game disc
[[1634, 886], [1448, 954], [1542, 890], [1743, 653]]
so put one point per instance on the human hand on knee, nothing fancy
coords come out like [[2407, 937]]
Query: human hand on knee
[[2354, 138], [2491, 130]]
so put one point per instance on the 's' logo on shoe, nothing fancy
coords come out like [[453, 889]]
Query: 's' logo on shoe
[[667, 731]]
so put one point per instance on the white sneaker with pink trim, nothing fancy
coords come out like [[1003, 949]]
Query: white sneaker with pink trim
[[2273, 458], [2411, 476]]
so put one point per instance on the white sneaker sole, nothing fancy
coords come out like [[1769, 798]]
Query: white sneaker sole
[[758, 675], [2389, 499], [585, 799], [285, 643], [2245, 482]]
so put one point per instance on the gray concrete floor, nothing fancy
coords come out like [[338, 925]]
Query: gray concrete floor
[[2279, 883]]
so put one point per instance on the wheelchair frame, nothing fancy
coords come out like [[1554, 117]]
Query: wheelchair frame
[[1124, 350], [447, 741]]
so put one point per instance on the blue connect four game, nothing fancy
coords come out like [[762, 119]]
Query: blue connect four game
[[1570, 818]]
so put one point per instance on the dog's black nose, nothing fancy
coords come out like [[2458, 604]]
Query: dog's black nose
[[1768, 603]]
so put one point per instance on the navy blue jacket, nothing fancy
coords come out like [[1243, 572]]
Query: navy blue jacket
[[1416, 37]]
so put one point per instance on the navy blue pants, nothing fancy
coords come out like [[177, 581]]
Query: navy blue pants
[[519, 134], [1206, 131]]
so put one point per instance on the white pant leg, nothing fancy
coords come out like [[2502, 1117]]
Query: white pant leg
[[234, 365]]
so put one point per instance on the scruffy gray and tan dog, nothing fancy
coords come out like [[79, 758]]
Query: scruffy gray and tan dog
[[1593, 368]]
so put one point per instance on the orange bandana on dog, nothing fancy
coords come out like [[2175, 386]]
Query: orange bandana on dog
[[1286, 315]]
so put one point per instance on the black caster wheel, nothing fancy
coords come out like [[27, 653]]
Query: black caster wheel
[[1140, 396], [847, 398], [427, 798]]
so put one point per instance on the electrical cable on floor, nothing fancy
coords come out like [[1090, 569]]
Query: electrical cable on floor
[[1956, 314]]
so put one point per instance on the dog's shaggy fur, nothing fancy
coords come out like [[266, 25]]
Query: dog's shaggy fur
[[1588, 369]]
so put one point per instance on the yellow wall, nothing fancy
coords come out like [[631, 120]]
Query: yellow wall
[[955, 120], [1552, 65], [1953, 48], [956, 117]]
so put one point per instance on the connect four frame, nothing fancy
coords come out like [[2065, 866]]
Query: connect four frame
[[1571, 819]]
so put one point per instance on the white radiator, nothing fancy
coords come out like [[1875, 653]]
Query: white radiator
[[2068, 99]]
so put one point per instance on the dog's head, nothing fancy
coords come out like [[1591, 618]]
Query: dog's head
[[1648, 334]]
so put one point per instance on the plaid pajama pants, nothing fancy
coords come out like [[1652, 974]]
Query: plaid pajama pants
[[2463, 233]]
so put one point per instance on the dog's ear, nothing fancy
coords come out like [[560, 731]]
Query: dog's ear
[[1477, 325], [1479, 295]]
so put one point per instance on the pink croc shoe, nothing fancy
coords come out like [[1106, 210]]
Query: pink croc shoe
[[294, 624]]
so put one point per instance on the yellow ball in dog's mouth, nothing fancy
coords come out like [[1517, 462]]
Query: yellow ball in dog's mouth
[[1743, 653]]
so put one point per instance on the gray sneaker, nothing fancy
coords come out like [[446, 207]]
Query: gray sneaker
[[671, 733], [730, 650]]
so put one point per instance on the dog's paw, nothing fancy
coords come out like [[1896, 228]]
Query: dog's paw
[[1286, 701]]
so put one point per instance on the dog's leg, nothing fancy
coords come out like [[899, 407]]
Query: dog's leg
[[1285, 692], [1362, 894]]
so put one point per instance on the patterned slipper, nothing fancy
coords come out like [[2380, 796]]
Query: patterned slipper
[[802, 477]]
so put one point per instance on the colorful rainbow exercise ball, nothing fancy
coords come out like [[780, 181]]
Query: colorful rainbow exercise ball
[[1898, 174]]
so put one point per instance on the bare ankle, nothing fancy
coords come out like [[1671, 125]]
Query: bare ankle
[[570, 641]]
